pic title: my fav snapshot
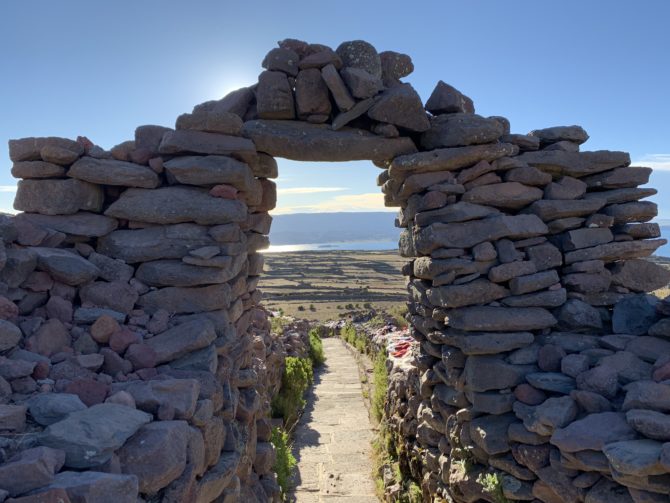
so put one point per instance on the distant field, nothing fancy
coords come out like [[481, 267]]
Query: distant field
[[330, 280]]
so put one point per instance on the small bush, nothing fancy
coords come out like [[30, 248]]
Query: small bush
[[414, 493], [278, 323], [312, 308], [316, 348], [367, 305], [284, 461], [377, 322], [492, 485], [348, 333], [301, 308], [380, 381], [398, 313], [288, 403]]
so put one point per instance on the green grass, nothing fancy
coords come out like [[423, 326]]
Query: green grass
[[316, 353], [360, 342], [387, 449], [297, 377], [377, 322], [381, 381], [492, 485], [284, 461]]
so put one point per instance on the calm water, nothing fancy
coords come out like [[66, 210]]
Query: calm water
[[663, 251], [353, 245]]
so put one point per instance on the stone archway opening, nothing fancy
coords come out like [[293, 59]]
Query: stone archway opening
[[129, 283]]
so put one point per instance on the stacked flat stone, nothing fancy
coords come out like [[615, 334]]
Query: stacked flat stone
[[526, 294], [131, 330], [525, 252], [132, 343]]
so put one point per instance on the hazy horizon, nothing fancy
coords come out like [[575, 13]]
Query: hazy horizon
[[580, 64]]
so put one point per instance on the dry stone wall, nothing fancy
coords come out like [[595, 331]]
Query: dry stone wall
[[137, 365]]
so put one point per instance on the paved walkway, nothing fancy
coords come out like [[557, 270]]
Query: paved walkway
[[332, 439]]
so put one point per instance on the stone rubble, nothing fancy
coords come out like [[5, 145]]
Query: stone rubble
[[129, 312]]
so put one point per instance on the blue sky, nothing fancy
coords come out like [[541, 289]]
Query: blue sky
[[101, 68]]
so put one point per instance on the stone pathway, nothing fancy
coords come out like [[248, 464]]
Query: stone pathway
[[332, 439]]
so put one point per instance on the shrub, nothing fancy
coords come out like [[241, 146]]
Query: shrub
[[316, 348], [398, 313], [278, 323], [377, 322], [348, 333], [297, 376], [380, 381], [312, 308], [492, 485], [284, 461], [301, 308], [367, 305], [414, 493]]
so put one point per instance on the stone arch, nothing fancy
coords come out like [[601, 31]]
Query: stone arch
[[132, 274]]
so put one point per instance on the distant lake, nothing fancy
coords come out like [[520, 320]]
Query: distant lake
[[352, 245], [663, 251]]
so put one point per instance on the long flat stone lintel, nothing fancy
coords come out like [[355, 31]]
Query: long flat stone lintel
[[302, 141]]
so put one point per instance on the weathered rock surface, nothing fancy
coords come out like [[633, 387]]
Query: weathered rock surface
[[29, 149], [156, 454], [187, 141], [593, 432], [575, 164], [360, 54], [177, 273], [112, 172], [65, 266], [460, 129], [79, 224], [49, 408], [30, 469], [37, 169], [401, 106], [179, 394], [96, 487], [468, 234], [508, 195], [172, 205], [449, 159], [153, 243], [57, 197], [498, 318], [312, 142], [211, 170], [182, 339], [547, 136], [187, 300], [446, 99], [90, 436]]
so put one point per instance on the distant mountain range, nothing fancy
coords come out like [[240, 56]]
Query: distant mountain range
[[299, 228]]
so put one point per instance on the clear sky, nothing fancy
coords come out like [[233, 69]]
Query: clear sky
[[101, 68]]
